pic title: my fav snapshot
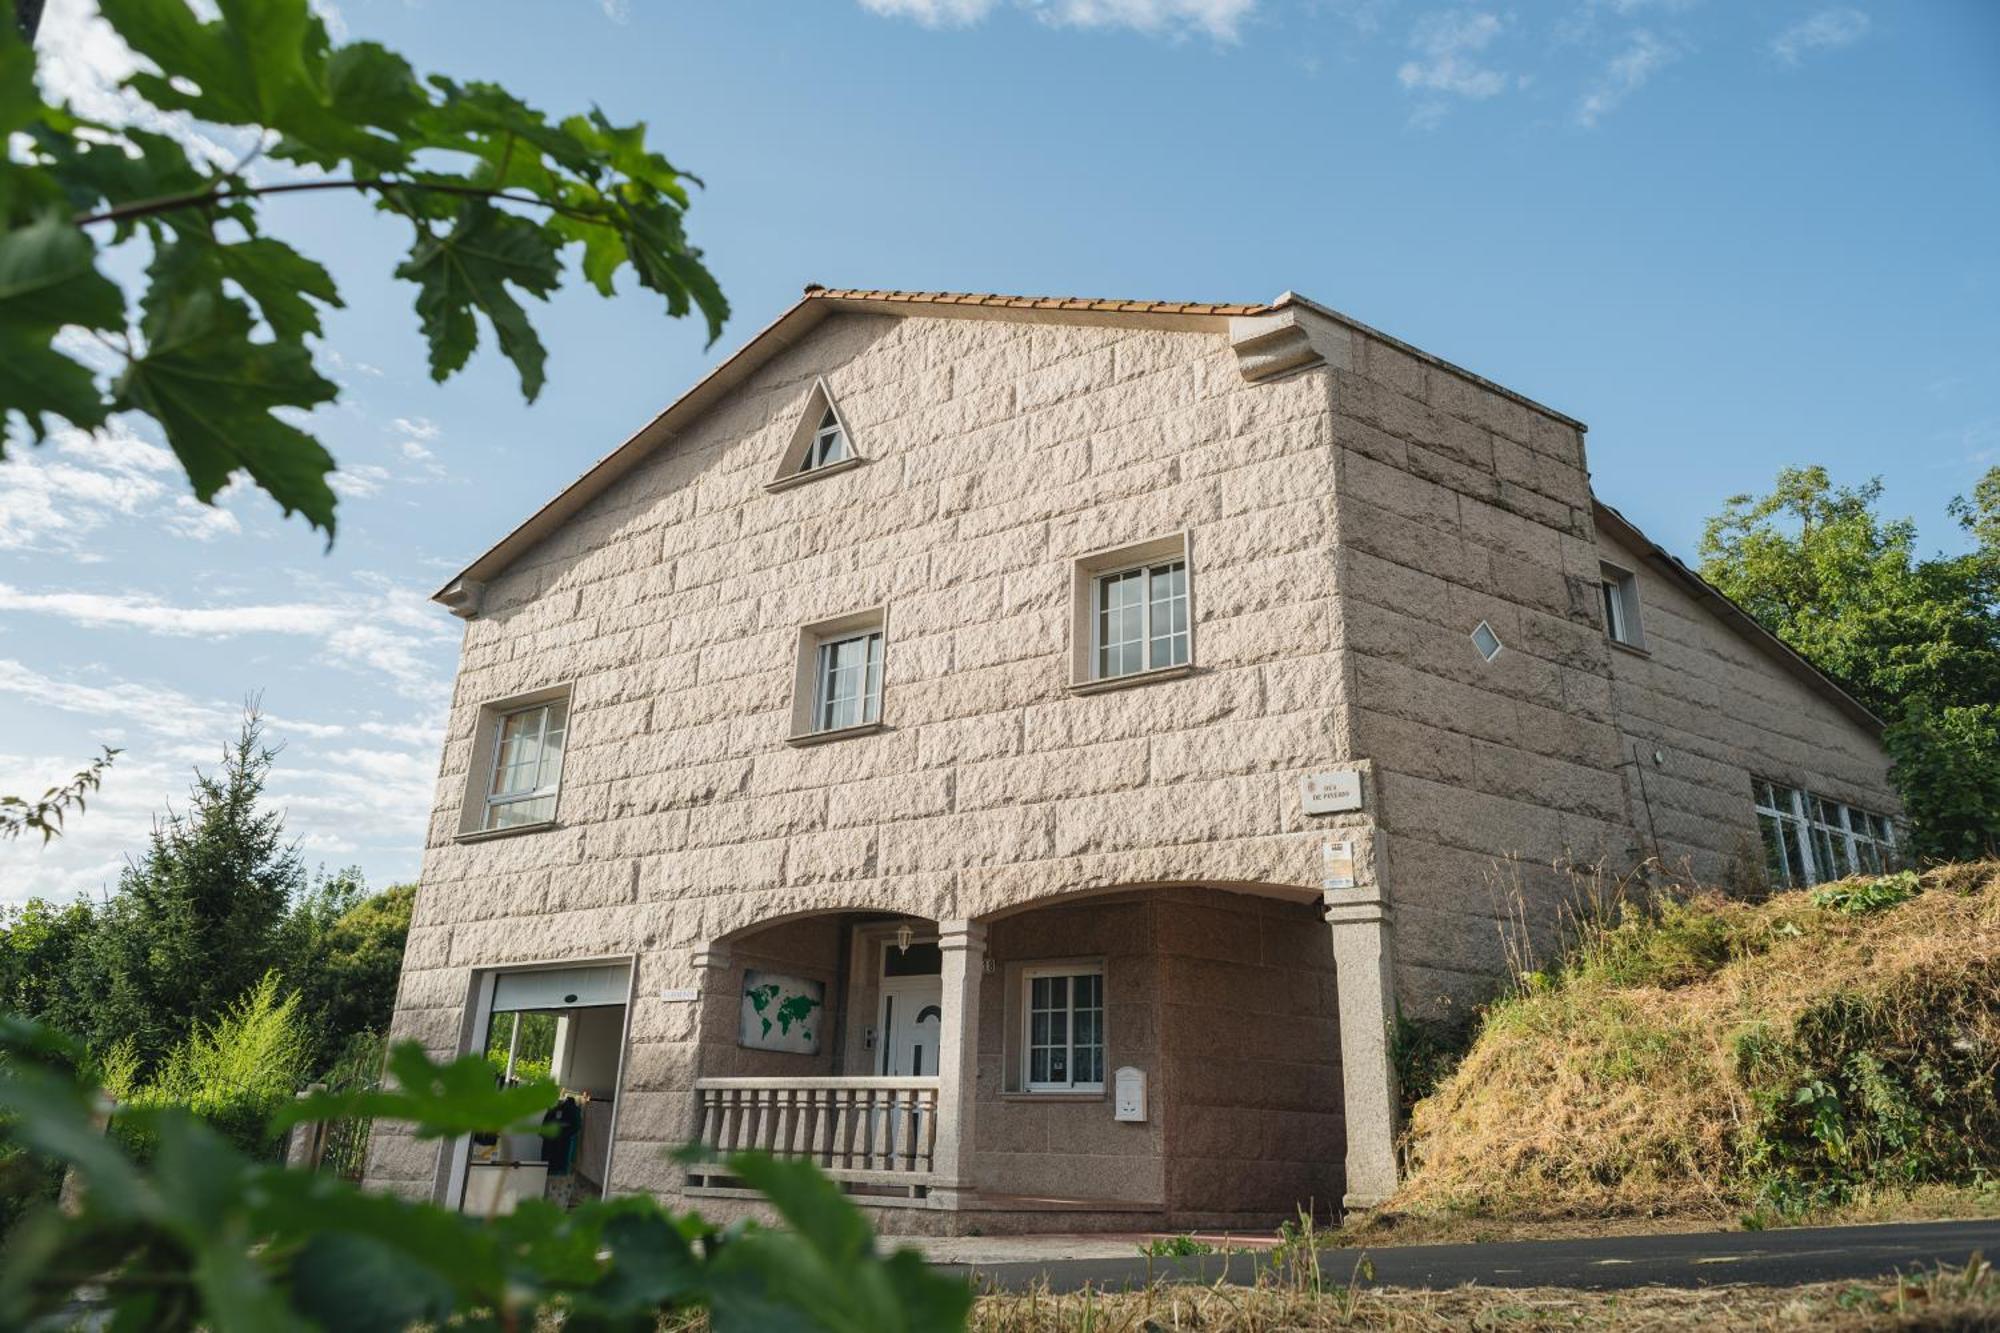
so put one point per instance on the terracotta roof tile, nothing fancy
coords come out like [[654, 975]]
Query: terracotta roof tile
[[816, 293]]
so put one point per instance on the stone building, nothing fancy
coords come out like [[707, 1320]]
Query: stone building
[[1024, 754]]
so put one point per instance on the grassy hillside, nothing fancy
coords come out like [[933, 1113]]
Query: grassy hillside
[[1704, 1057]]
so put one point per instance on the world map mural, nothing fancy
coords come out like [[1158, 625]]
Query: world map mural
[[781, 1013]]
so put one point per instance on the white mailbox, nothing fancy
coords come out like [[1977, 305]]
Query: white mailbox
[[1128, 1099]]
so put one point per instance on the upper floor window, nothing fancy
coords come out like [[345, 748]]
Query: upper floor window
[[527, 765], [1809, 839], [1142, 619], [1620, 590], [849, 689], [1062, 1008], [838, 690], [829, 444], [1133, 612]]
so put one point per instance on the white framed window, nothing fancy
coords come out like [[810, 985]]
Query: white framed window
[[1810, 839], [1132, 617], [1062, 1028], [526, 770], [1619, 589], [829, 443], [1139, 620], [842, 664], [847, 689]]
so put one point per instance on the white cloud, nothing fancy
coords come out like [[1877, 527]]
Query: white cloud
[[1220, 19], [362, 479], [1450, 44], [390, 631], [155, 709], [1635, 6], [53, 496], [343, 363], [341, 798], [1644, 56], [199, 522], [418, 435], [1828, 30]]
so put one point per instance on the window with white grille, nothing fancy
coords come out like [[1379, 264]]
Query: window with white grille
[[1062, 1040], [1810, 839]]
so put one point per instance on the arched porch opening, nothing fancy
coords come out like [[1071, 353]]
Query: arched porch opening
[[1216, 1003], [1143, 1055], [820, 1036]]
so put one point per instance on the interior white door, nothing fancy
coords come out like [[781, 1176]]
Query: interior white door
[[912, 1018]]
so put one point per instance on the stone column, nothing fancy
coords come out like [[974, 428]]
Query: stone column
[[716, 1015], [963, 946], [1365, 970]]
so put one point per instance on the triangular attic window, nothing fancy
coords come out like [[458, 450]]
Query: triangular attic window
[[820, 443], [829, 443]]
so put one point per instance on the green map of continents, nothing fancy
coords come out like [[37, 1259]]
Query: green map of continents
[[773, 1005]]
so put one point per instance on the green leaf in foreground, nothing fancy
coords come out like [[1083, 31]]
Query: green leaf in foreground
[[214, 391], [441, 1100], [48, 279], [470, 267], [493, 189]]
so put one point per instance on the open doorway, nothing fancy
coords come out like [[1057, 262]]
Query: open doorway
[[566, 1025]]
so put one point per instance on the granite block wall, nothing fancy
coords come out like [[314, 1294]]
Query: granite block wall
[[1702, 711], [997, 453], [1458, 504]]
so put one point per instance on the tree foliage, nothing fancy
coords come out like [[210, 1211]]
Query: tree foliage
[[234, 1073], [195, 922], [202, 1237], [219, 902], [215, 348], [1916, 638]]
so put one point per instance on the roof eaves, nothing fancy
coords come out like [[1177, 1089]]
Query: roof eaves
[[1294, 299], [628, 453]]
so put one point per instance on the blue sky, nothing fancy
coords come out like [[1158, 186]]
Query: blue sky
[[1729, 236]]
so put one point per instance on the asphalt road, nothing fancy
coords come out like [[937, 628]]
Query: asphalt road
[[1760, 1258]]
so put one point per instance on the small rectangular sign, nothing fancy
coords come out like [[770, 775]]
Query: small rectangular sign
[[1331, 792], [1336, 865], [681, 995]]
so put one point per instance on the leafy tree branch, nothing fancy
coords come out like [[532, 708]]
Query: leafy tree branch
[[45, 816], [217, 343]]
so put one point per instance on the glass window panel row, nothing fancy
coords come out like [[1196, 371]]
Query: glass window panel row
[[1810, 839], [850, 682]]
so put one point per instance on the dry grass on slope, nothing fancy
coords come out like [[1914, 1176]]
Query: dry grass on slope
[[1947, 1298], [1708, 1056]]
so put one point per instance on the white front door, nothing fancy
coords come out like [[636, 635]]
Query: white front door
[[912, 1016]]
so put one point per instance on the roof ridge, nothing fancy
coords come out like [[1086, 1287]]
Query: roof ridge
[[999, 300]]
